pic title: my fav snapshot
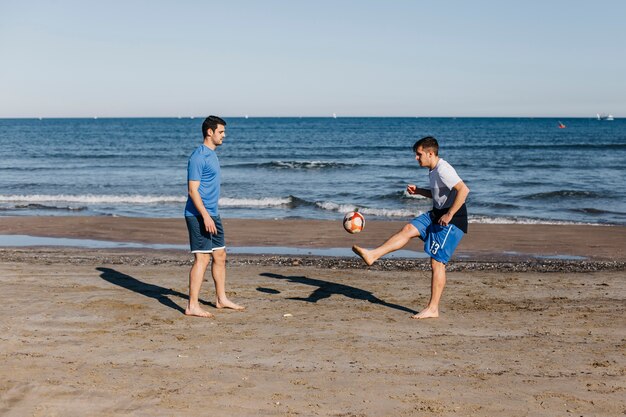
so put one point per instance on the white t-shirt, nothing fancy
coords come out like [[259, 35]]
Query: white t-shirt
[[442, 180]]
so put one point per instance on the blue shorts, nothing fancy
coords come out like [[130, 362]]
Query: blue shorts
[[439, 241], [202, 241]]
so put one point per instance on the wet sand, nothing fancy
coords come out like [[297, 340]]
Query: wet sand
[[101, 332], [483, 242]]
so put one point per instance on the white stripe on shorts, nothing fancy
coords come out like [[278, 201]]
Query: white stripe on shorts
[[446, 238], [208, 251]]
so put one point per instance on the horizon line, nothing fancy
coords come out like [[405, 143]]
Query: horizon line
[[296, 117]]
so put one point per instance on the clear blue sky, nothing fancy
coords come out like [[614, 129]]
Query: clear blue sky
[[295, 58]]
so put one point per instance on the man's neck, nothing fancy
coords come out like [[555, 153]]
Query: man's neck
[[209, 144]]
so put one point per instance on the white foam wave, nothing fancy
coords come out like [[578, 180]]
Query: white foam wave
[[408, 214], [139, 199], [516, 220], [255, 202], [379, 212], [405, 194], [92, 199], [306, 164]]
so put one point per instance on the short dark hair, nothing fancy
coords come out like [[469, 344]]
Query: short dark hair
[[427, 142], [211, 122]]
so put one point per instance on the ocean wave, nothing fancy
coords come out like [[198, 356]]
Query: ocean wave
[[299, 165], [595, 211], [378, 212], [35, 200], [492, 205], [85, 156], [294, 202], [562, 194], [401, 195], [522, 220], [257, 202], [36, 206], [405, 194], [91, 199], [517, 183], [559, 146], [307, 164]]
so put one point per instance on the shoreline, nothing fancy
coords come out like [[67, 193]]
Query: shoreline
[[484, 242]]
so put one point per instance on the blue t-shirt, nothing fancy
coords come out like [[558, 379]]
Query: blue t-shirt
[[204, 166]]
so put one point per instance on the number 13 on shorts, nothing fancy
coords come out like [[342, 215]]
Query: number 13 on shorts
[[434, 247]]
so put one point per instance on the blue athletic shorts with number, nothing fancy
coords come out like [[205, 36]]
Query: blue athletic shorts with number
[[439, 241], [201, 241]]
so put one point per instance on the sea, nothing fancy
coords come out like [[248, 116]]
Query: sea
[[519, 170]]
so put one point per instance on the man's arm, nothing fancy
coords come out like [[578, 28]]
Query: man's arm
[[412, 189], [194, 194], [461, 195]]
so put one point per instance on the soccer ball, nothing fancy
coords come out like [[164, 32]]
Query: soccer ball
[[353, 222]]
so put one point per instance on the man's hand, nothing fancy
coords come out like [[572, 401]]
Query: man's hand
[[461, 195], [412, 189], [445, 219], [209, 225]]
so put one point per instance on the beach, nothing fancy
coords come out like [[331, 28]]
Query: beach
[[532, 323]]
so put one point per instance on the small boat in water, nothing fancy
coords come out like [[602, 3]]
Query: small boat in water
[[604, 116], [561, 125]]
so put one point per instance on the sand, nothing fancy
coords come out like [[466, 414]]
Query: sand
[[101, 332]]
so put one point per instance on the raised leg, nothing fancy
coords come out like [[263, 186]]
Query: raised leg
[[395, 242]]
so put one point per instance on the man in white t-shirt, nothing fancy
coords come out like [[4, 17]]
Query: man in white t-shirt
[[441, 229]]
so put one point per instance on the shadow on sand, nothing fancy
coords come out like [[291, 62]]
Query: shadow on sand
[[162, 295], [325, 289]]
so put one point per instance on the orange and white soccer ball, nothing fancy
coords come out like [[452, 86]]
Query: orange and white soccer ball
[[353, 222]]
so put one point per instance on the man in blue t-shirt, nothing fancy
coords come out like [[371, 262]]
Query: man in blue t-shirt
[[206, 233], [441, 229]]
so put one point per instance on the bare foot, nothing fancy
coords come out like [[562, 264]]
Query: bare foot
[[427, 313], [363, 253], [198, 312], [226, 303]]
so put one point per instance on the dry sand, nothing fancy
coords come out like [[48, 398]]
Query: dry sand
[[101, 332]]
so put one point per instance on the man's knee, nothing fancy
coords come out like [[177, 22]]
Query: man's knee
[[202, 259], [219, 256], [437, 265], [410, 230]]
